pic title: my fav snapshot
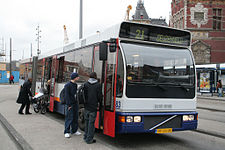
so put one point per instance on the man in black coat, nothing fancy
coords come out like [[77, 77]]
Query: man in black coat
[[23, 98], [93, 97]]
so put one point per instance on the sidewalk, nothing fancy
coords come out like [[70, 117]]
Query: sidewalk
[[37, 131], [214, 104]]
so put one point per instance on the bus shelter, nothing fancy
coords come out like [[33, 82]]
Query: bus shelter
[[206, 78]]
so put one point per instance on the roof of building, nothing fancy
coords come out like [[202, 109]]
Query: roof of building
[[142, 15], [140, 12], [159, 21]]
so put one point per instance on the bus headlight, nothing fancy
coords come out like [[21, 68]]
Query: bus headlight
[[129, 119], [188, 117], [137, 118]]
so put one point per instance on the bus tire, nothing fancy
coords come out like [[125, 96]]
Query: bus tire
[[43, 110], [81, 121]]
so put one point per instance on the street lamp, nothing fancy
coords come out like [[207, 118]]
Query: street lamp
[[38, 40]]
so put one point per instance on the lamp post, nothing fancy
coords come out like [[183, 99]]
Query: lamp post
[[38, 40]]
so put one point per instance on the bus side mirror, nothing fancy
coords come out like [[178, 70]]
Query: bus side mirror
[[103, 51]]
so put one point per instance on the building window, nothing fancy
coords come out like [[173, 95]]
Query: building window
[[199, 16], [217, 17]]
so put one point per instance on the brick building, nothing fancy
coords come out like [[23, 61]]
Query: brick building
[[206, 21]]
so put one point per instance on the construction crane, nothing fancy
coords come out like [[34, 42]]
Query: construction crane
[[66, 39], [128, 12]]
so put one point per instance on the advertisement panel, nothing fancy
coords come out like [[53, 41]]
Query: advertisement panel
[[204, 82]]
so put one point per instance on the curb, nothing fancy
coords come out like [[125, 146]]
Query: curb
[[18, 139], [211, 133]]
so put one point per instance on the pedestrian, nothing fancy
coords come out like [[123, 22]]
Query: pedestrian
[[71, 107], [23, 98], [11, 79], [93, 97], [219, 88]]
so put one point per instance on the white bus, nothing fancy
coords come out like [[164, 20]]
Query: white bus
[[147, 74]]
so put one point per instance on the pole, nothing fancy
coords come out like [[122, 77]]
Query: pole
[[38, 40], [31, 50], [81, 20], [10, 58]]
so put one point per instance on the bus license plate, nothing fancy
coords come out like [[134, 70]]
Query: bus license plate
[[166, 130]]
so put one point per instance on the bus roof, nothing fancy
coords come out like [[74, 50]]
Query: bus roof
[[112, 32]]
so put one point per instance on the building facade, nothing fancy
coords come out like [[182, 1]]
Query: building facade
[[205, 19], [5, 71], [141, 16]]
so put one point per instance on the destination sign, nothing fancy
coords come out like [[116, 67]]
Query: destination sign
[[154, 34]]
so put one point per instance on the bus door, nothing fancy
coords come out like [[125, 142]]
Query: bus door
[[52, 83], [109, 95], [47, 75], [97, 66]]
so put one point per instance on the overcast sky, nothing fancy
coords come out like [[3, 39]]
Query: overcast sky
[[20, 18]]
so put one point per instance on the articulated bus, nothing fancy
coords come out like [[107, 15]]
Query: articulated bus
[[147, 73]]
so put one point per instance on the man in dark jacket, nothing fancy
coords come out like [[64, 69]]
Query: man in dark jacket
[[93, 96], [72, 107], [24, 97]]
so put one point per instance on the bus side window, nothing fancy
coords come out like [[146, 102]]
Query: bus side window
[[60, 70], [110, 67], [120, 76]]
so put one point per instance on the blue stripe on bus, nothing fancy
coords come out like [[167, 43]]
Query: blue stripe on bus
[[135, 127]]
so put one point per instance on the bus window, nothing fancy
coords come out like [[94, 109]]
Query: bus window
[[60, 70], [83, 61], [69, 65], [97, 67], [40, 66], [110, 67], [78, 61], [120, 76]]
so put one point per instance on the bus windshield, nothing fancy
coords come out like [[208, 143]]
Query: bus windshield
[[149, 64]]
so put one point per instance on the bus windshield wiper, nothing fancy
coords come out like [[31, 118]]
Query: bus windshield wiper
[[181, 86], [159, 85]]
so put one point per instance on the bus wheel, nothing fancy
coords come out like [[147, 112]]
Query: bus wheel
[[36, 110], [81, 121], [43, 110]]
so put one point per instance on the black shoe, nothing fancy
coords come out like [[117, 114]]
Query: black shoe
[[91, 142], [28, 113], [21, 113]]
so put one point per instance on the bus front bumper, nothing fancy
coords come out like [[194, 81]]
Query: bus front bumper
[[156, 122]]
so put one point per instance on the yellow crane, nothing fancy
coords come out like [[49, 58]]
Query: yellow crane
[[128, 12], [66, 39]]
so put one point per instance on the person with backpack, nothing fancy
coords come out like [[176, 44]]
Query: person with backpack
[[93, 97], [71, 107]]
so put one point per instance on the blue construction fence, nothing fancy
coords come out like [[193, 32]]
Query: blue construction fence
[[4, 76]]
